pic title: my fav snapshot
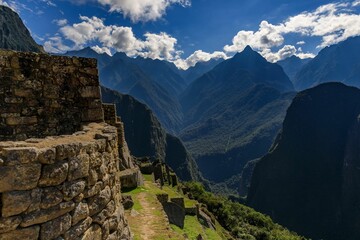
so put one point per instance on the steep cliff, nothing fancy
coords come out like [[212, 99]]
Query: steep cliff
[[13, 33], [310, 179], [146, 137]]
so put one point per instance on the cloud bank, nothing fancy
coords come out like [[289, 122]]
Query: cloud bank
[[330, 23]]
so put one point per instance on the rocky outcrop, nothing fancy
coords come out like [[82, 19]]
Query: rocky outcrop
[[146, 137], [309, 181], [13, 33]]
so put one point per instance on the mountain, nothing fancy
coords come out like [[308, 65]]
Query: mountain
[[337, 63], [13, 33], [199, 69], [132, 76], [162, 73], [146, 137], [292, 65], [310, 179], [102, 59], [233, 113]]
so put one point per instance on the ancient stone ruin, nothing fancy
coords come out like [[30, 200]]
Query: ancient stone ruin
[[60, 156]]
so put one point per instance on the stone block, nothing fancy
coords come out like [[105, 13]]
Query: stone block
[[42, 216], [76, 231], [79, 167], [81, 212], [93, 233], [51, 196], [73, 189], [64, 151], [56, 227], [19, 177], [175, 214], [13, 121], [9, 223], [94, 190], [30, 233], [47, 155], [19, 155], [35, 200], [92, 115], [90, 92], [99, 202], [54, 174], [15, 202]]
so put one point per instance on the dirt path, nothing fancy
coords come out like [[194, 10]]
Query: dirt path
[[149, 222]]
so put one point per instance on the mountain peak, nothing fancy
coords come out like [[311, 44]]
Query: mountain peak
[[16, 37], [247, 54]]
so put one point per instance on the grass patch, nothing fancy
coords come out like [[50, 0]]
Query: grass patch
[[192, 228]]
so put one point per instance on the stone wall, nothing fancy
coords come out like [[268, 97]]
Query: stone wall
[[43, 95], [64, 187]]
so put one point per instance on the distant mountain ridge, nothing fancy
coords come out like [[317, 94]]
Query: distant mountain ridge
[[310, 179], [233, 112], [293, 65], [337, 63], [13, 33]]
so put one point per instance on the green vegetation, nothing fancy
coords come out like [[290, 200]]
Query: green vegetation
[[193, 228], [241, 221], [153, 222]]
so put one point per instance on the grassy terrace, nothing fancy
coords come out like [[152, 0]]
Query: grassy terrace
[[147, 220]]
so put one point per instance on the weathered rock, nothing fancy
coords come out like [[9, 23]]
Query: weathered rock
[[16, 202], [56, 227], [78, 167], [46, 215], [47, 155], [19, 177], [127, 202], [73, 189], [30, 233], [93, 233], [54, 174], [81, 212], [97, 203], [9, 223], [51, 196], [74, 232], [19, 155]]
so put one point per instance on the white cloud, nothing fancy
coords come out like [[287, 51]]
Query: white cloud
[[60, 22], [199, 56], [356, 3], [101, 50], [334, 22], [138, 10], [300, 43], [49, 3], [56, 45], [116, 38]]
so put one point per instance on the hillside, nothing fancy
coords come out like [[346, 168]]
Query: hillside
[[149, 81], [13, 33], [293, 65], [200, 68], [309, 181], [146, 137], [337, 63], [233, 113]]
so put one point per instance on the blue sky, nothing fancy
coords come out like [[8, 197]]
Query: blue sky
[[185, 31]]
